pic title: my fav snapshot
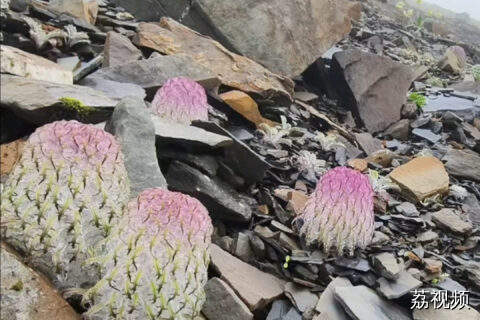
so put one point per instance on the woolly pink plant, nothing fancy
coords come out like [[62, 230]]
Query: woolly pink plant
[[182, 100], [340, 212], [161, 259], [68, 190]]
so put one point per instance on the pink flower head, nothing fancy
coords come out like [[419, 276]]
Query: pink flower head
[[182, 100], [340, 212], [177, 216], [73, 142]]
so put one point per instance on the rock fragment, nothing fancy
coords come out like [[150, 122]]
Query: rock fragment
[[119, 50], [375, 87], [20, 63], [222, 303], [134, 130], [362, 303], [421, 177], [256, 288], [28, 295], [451, 220], [463, 164], [40, 102]]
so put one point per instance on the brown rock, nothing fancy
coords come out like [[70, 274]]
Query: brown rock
[[263, 209], [28, 295], [296, 201], [9, 155], [20, 63], [119, 50], [171, 38], [358, 164], [374, 86], [152, 73], [421, 178], [382, 157], [254, 287], [433, 266], [246, 106]]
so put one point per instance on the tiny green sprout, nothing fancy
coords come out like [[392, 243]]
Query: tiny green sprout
[[18, 286], [419, 99], [76, 105], [435, 281], [287, 260]]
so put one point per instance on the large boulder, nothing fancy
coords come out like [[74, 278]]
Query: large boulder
[[171, 38], [284, 36], [374, 86]]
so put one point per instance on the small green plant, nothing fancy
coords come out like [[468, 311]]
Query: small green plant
[[419, 99], [76, 105], [476, 72], [287, 260], [18, 286]]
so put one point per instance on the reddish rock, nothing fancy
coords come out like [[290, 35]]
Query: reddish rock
[[421, 178], [246, 106], [9, 155]]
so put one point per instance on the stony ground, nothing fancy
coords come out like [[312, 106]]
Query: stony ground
[[394, 100]]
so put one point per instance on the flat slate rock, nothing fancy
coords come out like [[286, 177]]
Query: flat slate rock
[[393, 289], [113, 89], [119, 50], [431, 313], [452, 220], [256, 288], [172, 132], [421, 178], [221, 200], [463, 164], [362, 303], [133, 128], [368, 143], [222, 303], [386, 265], [169, 37], [151, 74], [38, 102], [327, 306], [20, 63], [300, 296]]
